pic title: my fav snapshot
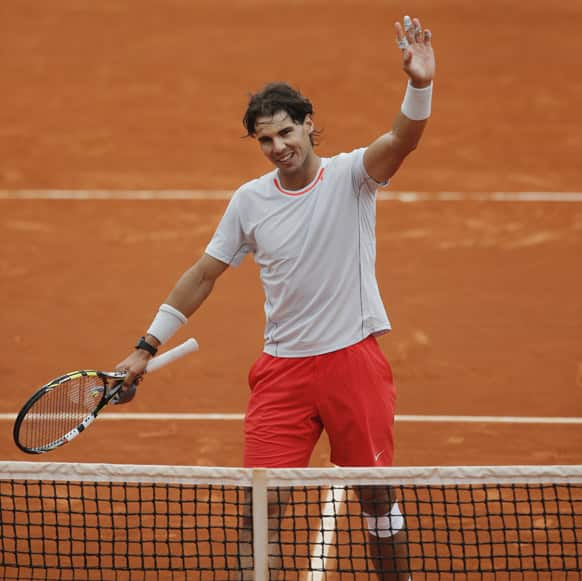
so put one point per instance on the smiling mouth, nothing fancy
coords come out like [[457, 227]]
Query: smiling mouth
[[285, 158]]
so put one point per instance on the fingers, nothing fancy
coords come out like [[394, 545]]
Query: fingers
[[409, 28], [401, 39], [129, 375], [132, 378], [134, 367], [417, 30], [128, 387], [427, 37], [123, 365], [125, 394], [410, 32]]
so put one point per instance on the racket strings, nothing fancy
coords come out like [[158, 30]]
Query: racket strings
[[61, 409]]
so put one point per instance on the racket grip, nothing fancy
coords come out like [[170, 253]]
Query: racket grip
[[189, 346]]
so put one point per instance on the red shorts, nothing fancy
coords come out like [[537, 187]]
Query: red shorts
[[349, 393]]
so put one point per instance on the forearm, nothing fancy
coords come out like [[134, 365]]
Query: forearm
[[406, 134], [385, 155], [188, 294]]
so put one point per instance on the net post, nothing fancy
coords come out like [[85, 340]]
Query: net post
[[260, 525]]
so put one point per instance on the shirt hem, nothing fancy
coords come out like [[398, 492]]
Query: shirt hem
[[222, 257], [275, 350]]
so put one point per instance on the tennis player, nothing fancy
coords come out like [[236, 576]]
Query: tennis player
[[310, 224]]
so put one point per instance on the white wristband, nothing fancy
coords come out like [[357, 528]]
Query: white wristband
[[165, 324], [417, 102]]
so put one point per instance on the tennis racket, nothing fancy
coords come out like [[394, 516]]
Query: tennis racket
[[63, 408]]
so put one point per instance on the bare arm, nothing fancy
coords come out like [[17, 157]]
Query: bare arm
[[385, 155], [191, 290], [195, 285]]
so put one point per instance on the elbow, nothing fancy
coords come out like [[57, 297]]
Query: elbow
[[408, 147], [407, 141]]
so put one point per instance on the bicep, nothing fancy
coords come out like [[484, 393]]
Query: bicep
[[382, 159], [211, 267], [203, 273], [195, 284]]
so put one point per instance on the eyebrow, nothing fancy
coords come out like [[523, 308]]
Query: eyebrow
[[285, 129]]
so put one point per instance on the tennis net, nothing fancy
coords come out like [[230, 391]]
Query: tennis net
[[121, 522]]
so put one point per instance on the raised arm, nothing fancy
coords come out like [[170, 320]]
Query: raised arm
[[185, 298], [385, 155]]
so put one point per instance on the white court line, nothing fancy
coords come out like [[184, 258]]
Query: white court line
[[398, 418], [489, 419], [481, 196], [383, 195], [115, 194], [327, 528]]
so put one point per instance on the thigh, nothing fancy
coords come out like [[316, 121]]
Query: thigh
[[356, 404], [281, 424]]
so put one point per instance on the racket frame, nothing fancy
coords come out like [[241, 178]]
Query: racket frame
[[108, 394], [188, 346]]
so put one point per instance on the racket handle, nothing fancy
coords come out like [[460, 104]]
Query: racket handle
[[189, 346]]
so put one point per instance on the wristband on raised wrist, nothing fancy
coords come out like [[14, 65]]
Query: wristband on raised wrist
[[416, 104]]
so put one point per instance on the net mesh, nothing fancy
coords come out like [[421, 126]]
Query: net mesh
[[107, 522]]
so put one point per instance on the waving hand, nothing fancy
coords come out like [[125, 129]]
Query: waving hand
[[417, 54]]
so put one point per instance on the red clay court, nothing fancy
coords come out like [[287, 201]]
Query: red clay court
[[485, 296]]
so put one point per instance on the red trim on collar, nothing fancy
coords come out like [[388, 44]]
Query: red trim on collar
[[300, 192]]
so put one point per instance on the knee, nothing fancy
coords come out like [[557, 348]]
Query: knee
[[386, 525]]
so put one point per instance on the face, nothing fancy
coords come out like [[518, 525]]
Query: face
[[285, 143]]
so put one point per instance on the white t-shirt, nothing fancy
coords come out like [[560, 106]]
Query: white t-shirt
[[316, 249]]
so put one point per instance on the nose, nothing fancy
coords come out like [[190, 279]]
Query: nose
[[278, 145]]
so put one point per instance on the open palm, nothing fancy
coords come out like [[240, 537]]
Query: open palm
[[417, 53]]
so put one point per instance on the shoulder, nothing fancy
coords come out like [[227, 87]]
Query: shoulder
[[350, 165], [346, 158], [251, 198], [257, 187], [345, 163]]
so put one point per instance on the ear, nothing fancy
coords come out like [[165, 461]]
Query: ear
[[309, 124]]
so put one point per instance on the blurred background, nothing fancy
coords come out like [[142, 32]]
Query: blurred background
[[120, 95]]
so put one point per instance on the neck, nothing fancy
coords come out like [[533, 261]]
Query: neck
[[301, 177]]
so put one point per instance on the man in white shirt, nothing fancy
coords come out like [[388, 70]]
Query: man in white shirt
[[310, 225]]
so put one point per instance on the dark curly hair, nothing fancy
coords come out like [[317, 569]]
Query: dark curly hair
[[275, 97]]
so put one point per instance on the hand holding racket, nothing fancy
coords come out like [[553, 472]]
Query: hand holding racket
[[60, 410]]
